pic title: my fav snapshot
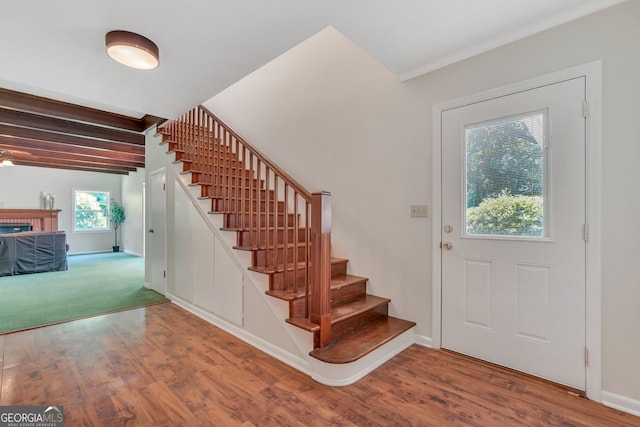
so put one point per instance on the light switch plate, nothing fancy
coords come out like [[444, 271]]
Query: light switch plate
[[419, 211]]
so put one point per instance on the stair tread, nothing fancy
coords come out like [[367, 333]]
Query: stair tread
[[290, 245], [261, 229], [301, 265], [334, 284], [343, 311], [363, 341]]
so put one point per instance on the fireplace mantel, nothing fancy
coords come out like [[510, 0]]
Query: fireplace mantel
[[40, 219]]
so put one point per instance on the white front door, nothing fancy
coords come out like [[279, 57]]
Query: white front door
[[157, 230], [513, 216]]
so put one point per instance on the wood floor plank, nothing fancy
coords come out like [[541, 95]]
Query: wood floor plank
[[162, 366]]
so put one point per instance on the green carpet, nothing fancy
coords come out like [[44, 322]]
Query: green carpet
[[94, 284]]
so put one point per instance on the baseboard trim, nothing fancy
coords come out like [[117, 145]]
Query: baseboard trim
[[325, 373], [423, 340], [622, 403], [240, 333], [90, 252]]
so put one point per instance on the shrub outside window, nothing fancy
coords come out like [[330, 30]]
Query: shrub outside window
[[91, 210]]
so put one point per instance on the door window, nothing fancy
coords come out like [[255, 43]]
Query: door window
[[505, 172]]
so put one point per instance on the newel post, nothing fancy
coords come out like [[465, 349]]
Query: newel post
[[320, 308]]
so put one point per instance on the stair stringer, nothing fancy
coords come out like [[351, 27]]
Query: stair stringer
[[325, 373]]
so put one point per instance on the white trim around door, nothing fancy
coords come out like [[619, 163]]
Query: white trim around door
[[593, 74]]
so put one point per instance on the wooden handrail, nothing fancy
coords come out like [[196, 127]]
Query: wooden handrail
[[284, 221]]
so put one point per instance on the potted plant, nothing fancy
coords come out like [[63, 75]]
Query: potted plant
[[117, 217]]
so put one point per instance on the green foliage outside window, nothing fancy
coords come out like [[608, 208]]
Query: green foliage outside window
[[505, 179], [507, 215], [503, 156], [91, 210]]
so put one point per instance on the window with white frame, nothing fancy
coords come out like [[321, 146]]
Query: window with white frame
[[91, 210]]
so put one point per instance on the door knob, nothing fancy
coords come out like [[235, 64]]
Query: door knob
[[151, 230], [447, 245]]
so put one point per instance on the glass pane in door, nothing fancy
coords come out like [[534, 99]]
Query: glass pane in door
[[505, 177]]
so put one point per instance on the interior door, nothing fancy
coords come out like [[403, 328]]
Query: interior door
[[513, 215], [157, 230]]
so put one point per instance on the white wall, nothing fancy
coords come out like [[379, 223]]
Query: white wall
[[131, 238], [336, 120], [20, 188]]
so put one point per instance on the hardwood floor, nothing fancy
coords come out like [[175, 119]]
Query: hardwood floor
[[162, 366]]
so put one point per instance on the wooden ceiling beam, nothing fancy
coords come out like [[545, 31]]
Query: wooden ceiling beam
[[12, 142], [20, 132], [74, 165], [36, 121], [54, 156], [35, 104], [67, 136]]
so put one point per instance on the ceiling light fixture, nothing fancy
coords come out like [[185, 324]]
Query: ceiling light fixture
[[132, 50]]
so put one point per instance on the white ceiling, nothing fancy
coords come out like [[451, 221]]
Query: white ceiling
[[56, 48]]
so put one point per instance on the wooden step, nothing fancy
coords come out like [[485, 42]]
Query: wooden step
[[218, 191], [343, 290], [243, 220], [269, 256], [223, 190], [278, 279], [363, 341], [340, 287], [344, 312], [201, 174], [244, 236], [221, 205]]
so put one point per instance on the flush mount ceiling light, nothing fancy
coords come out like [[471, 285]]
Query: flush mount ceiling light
[[132, 50]]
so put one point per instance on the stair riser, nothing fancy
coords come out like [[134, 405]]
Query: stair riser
[[212, 162], [280, 281], [297, 308], [347, 293], [224, 190], [263, 257], [232, 205], [219, 172], [348, 326], [227, 181], [220, 192], [247, 221], [260, 237], [200, 174], [171, 145], [178, 155]]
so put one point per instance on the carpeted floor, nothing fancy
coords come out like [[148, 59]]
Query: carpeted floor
[[94, 284]]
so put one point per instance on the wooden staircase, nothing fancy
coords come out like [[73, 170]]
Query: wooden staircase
[[287, 231]]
